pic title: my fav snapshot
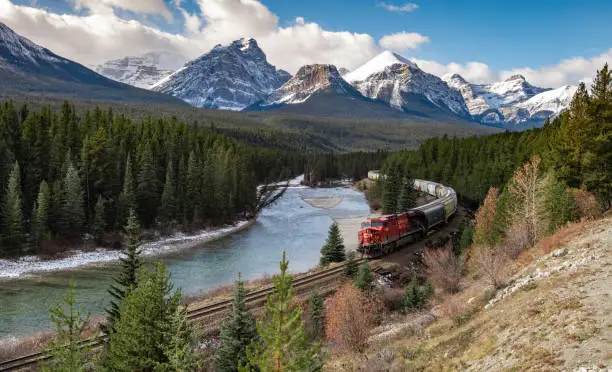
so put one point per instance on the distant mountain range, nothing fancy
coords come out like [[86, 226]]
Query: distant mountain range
[[26, 67], [238, 77]]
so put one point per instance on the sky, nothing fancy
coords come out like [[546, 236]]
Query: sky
[[550, 42]]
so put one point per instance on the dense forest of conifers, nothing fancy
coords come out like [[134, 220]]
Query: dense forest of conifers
[[65, 175]]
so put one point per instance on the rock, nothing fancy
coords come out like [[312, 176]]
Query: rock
[[560, 252], [471, 300]]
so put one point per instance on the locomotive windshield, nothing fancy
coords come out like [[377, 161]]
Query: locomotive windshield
[[365, 224], [377, 224]]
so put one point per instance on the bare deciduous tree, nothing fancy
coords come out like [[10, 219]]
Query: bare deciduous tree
[[444, 268], [484, 219]]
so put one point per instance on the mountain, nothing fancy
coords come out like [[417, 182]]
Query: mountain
[[228, 77], [320, 90], [400, 83], [540, 107], [27, 68], [143, 71], [501, 102]]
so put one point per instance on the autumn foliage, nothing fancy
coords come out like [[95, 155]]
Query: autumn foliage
[[350, 317]]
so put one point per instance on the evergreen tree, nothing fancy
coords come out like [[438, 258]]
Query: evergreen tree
[[169, 206], [127, 198], [284, 346], [66, 351], [194, 187], [316, 316], [40, 223], [12, 213], [407, 197], [147, 189], [351, 266], [333, 250], [392, 180], [99, 223], [237, 333], [72, 210], [416, 296], [152, 332], [126, 281], [365, 279]]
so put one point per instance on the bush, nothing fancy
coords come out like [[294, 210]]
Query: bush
[[365, 279], [586, 204], [493, 266], [350, 317], [444, 268], [351, 267], [416, 296]]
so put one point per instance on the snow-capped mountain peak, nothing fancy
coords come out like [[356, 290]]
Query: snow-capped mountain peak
[[377, 64], [395, 80], [142, 71], [22, 48], [309, 80], [229, 77]]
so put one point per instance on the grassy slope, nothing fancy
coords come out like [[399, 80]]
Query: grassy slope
[[558, 321]]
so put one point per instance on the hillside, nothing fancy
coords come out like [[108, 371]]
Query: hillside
[[552, 315]]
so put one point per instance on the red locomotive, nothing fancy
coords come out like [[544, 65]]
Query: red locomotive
[[382, 235]]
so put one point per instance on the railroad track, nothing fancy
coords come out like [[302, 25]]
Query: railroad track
[[193, 315]]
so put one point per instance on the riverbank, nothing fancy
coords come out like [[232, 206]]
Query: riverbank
[[29, 265]]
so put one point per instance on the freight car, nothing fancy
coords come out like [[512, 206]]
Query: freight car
[[382, 235]]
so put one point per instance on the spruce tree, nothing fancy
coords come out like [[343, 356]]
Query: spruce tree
[[392, 184], [416, 296], [99, 223], [333, 250], [407, 197], [12, 213], [72, 209], [316, 316], [364, 280], [169, 204], [194, 186], [40, 222], [127, 198], [66, 351], [152, 332], [126, 281], [147, 193], [237, 333], [351, 266], [283, 345]]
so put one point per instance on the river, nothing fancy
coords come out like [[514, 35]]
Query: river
[[291, 224]]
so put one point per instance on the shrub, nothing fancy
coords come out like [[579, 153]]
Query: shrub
[[444, 268], [351, 267], [586, 204], [350, 317], [365, 279], [416, 296], [493, 266]]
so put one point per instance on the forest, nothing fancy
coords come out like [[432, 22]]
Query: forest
[[66, 176]]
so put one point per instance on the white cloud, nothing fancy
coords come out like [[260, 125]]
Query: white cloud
[[474, 72], [409, 7], [568, 71], [402, 41], [137, 6]]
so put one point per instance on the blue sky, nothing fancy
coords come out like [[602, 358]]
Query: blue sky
[[561, 40]]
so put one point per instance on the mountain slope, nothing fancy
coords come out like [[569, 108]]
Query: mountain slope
[[320, 90], [505, 102], [143, 71], [404, 86], [26, 67], [228, 77]]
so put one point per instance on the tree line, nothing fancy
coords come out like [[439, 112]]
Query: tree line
[[63, 175]]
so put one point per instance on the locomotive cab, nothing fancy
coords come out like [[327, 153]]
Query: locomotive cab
[[370, 232]]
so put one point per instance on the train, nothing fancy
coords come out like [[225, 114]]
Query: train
[[382, 235]]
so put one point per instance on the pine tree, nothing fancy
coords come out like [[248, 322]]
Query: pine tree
[[416, 296], [333, 250], [147, 193], [127, 198], [40, 222], [316, 316], [126, 281], [365, 279], [66, 351], [169, 206], [12, 213], [152, 332], [194, 187], [407, 197], [72, 210], [392, 184], [351, 266], [284, 346], [99, 223], [237, 333]]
